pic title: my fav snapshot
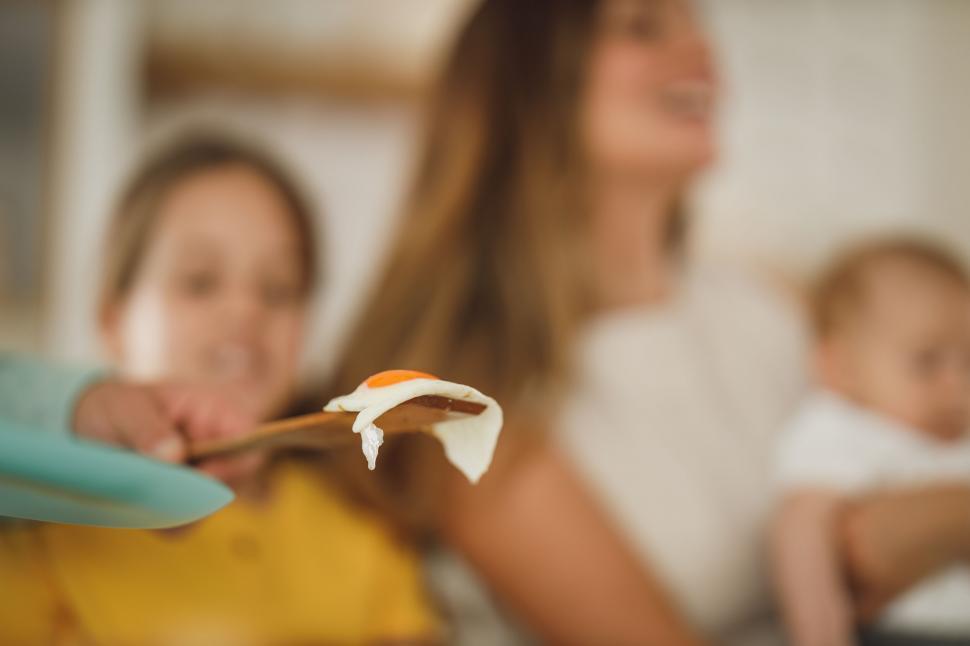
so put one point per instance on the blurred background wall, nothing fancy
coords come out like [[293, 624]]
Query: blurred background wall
[[841, 117]]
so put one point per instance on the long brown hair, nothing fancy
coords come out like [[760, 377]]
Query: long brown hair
[[486, 281], [484, 260]]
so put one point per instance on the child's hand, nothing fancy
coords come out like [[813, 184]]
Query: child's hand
[[161, 420], [202, 414]]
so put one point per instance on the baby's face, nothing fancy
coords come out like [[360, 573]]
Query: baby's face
[[908, 353]]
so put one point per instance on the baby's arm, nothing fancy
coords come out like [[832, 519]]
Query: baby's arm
[[808, 573]]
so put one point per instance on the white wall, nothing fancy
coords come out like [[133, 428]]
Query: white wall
[[95, 116], [842, 117]]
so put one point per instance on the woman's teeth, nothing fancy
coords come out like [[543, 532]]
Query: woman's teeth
[[692, 99]]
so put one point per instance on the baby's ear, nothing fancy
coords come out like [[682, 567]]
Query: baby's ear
[[830, 364]]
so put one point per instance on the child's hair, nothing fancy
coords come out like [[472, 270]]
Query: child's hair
[[840, 290], [193, 152]]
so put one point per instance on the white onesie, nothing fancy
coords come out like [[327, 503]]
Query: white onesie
[[834, 443]]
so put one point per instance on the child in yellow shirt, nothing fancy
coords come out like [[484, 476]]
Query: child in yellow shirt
[[208, 271]]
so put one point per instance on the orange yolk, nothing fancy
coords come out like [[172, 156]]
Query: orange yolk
[[389, 377]]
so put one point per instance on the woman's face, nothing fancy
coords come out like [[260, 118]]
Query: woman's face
[[650, 93], [218, 298]]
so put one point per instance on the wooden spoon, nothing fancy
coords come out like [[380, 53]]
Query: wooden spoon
[[328, 430]]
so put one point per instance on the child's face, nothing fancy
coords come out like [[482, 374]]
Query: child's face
[[218, 298], [908, 353]]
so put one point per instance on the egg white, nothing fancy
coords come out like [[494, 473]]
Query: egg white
[[469, 441]]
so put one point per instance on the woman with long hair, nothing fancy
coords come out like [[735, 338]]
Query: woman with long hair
[[504, 253], [541, 258]]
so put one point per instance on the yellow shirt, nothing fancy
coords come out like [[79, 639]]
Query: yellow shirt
[[302, 567]]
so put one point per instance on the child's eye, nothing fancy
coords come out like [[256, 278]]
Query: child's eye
[[198, 284], [280, 293], [637, 20]]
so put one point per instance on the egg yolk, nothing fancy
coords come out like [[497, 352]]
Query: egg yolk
[[390, 377]]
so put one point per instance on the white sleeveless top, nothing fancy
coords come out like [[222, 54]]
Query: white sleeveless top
[[673, 421]]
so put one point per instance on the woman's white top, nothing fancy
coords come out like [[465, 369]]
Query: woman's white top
[[673, 421], [832, 443]]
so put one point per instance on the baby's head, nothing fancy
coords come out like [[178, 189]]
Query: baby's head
[[208, 269], [893, 325]]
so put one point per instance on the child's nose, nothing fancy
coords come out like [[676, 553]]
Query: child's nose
[[243, 307]]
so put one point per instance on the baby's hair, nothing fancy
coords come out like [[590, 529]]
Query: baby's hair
[[840, 290], [193, 152]]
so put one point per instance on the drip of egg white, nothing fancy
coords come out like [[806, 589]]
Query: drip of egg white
[[371, 438]]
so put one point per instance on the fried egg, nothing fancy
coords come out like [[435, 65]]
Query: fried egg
[[469, 441]]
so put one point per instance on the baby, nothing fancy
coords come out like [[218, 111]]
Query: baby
[[893, 355]]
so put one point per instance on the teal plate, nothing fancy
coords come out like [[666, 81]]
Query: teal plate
[[49, 477]]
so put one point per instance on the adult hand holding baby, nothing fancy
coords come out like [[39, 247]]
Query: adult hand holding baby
[[161, 420], [893, 540]]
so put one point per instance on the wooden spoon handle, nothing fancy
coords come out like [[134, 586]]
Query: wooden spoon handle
[[326, 430]]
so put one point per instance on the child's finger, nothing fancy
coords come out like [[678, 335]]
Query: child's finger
[[175, 400], [143, 425], [201, 421], [189, 409], [205, 414], [232, 423]]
